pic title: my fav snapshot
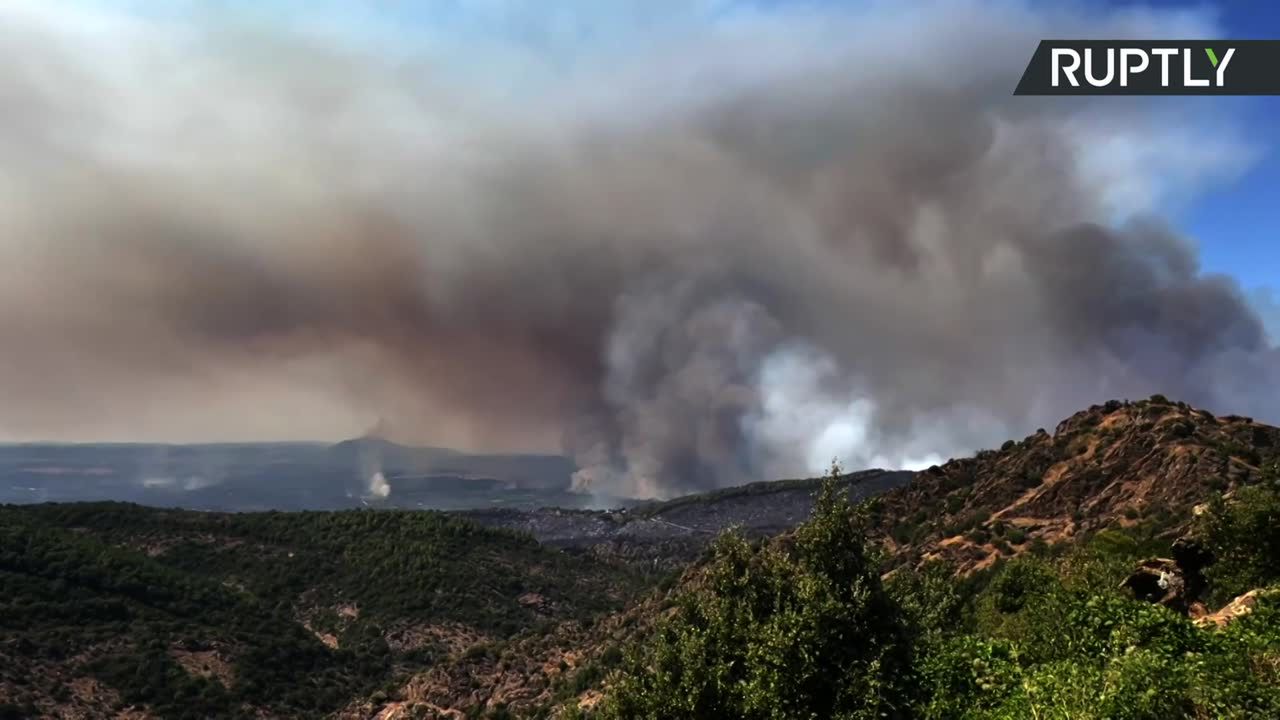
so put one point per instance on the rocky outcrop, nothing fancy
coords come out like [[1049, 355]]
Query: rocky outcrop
[[1178, 583], [1119, 462], [1160, 581], [1239, 607]]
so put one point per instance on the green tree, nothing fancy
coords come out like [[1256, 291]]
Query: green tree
[[1244, 536], [795, 628]]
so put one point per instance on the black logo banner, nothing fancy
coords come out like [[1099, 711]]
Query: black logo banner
[[1153, 67]]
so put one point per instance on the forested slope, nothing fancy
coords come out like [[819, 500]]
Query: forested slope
[[105, 607]]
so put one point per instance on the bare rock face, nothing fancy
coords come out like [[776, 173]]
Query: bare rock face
[[1159, 581], [1242, 605], [1114, 463]]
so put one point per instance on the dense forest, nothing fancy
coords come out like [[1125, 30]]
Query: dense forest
[[284, 614]]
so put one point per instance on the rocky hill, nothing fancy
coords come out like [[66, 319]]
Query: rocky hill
[[1111, 464]]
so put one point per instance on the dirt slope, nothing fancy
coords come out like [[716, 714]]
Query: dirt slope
[[1116, 462]]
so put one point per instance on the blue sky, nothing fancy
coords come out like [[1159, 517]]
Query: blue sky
[[1236, 223]]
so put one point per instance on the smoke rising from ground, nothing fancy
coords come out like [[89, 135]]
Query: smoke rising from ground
[[730, 256], [378, 486]]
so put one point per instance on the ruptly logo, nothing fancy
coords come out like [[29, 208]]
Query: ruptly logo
[[1164, 67]]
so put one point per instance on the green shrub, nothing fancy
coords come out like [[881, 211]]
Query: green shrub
[[1019, 581], [930, 600], [1244, 536], [801, 630], [966, 676]]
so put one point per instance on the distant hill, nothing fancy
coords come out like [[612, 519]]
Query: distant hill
[[525, 471], [674, 531], [282, 476]]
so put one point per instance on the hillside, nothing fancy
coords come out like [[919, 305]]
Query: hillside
[[110, 609], [806, 626], [1017, 579], [1116, 463], [673, 532]]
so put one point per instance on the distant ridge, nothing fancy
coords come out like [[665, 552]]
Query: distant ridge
[[279, 476], [531, 471]]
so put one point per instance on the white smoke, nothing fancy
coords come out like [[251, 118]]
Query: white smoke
[[810, 415], [378, 486]]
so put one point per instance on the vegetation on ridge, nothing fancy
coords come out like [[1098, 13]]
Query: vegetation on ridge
[[800, 627]]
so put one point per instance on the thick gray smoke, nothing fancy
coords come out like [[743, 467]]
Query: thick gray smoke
[[731, 254]]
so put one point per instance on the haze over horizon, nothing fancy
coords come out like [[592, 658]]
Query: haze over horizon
[[688, 244]]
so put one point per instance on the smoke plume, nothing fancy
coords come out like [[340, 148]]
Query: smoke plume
[[725, 253], [378, 486]]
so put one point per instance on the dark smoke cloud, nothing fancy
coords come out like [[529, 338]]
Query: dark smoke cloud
[[732, 256]]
